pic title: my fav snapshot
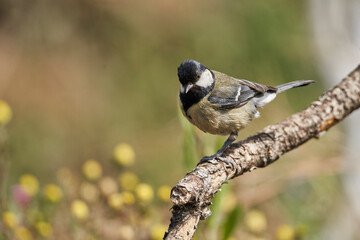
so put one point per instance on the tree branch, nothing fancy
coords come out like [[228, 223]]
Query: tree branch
[[192, 195]]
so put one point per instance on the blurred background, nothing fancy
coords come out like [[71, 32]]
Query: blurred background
[[92, 140]]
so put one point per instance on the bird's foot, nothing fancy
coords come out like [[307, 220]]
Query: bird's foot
[[214, 157]]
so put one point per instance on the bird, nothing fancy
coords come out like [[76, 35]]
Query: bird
[[219, 104]]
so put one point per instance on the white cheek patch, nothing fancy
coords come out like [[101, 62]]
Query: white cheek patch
[[206, 79], [182, 89]]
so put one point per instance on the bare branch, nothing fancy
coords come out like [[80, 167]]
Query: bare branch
[[192, 195]]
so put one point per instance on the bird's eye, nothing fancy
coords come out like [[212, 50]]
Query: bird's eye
[[198, 76]]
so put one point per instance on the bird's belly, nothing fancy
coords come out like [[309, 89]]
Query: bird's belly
[[221, 122]]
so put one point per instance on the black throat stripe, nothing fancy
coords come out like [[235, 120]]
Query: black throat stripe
[[194, 96]]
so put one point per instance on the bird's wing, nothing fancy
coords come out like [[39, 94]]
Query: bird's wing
[[231, 93]]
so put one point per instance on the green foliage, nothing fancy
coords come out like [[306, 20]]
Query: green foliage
[[189, 144], [214, 221], [231, 221]]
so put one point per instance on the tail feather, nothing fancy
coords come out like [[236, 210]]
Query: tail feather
[[294, 84], [265, 98]]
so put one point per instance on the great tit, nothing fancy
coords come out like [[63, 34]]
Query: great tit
[[220, 104]]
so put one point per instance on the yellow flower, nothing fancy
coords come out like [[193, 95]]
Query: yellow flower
[[124, 154], [79, 209], [5, 112], [108, 186], [44, 229], [128, 198], [89, 192], [10, 219], [255, 221], [285, 232], [157, 231], [53, 193], [30, 184], [22, 233], [116, 201], [128, 181], [144, 192], [92, 170], [163, 193]]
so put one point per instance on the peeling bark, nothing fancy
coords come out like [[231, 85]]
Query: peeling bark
[[192, 195]]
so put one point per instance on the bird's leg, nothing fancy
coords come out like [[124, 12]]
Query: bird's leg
[[228, 141]]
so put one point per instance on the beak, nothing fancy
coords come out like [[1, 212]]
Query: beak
[[188, 87]]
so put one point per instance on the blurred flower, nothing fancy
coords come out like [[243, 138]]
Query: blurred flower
[[128, 198], [285, 232], [89, 192], [124, 154], [20, 196], [158, 231], [128, 181], [163, 193], [115, 201], [255, 221], [79, 209], [44, 229], [144, 192], [108, 186], [92, 170], [126, 232], [10, 219], [5, 112], [53, 193], [30, 184], [22, 233]]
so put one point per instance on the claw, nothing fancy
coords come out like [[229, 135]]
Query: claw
[[213, 157], [207, 159], [224, 160], [216, 156]]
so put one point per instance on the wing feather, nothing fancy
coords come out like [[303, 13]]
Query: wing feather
[[230, 92]]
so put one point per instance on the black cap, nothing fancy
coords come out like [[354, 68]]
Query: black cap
[[190, 71]]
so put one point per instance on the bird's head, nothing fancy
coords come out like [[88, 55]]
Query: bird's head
[[193, 74]]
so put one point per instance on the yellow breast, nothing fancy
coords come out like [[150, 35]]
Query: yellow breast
[[209, 118]]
